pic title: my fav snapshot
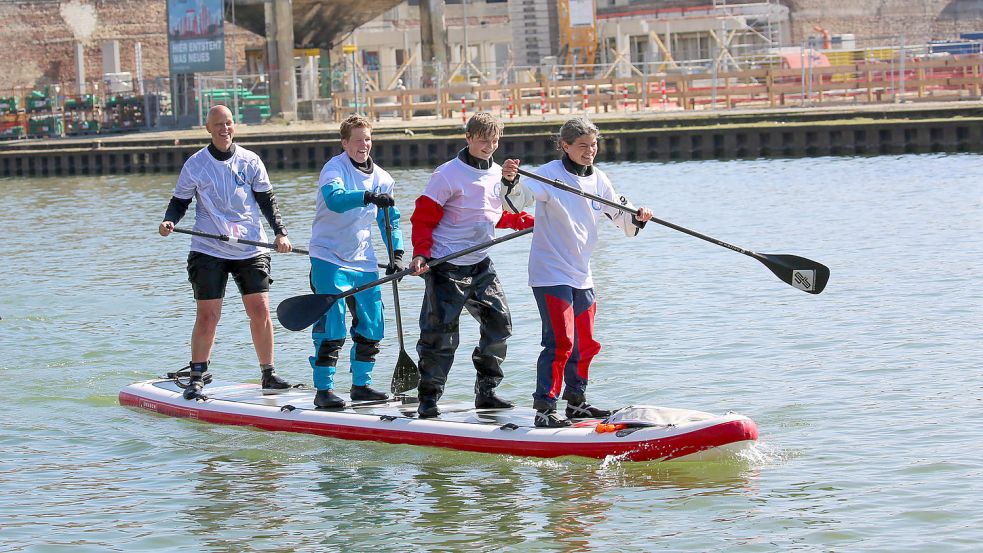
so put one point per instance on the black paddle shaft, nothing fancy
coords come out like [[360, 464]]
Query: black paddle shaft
[[392, 263], [227, 238], [563, 186], [433, 263], [300, 312], [802, 273], [406, 375]]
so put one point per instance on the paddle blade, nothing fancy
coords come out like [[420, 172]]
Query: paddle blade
[[805, 274], [300, 312], [406, 375]]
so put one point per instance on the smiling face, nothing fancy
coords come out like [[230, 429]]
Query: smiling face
[[221, 126], [583, 149], [482, 146], [358, 145]]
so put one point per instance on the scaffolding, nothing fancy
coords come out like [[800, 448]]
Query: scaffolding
[[747, 31]]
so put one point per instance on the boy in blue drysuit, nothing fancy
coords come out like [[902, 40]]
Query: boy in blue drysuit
[[352, 194]]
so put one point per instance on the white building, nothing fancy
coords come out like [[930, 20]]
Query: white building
[[496, 40], [478, 38]]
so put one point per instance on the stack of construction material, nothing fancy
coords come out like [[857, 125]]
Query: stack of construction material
[[81, 115], [44, 126], [124, 113], [248, 102], [11, 123]]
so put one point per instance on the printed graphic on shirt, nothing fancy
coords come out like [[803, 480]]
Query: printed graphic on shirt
[[224, 201]]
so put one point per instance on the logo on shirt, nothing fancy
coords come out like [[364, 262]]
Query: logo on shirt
[[240, 178], [595, 205]]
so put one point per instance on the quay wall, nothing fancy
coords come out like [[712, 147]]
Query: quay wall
[[735, 137]]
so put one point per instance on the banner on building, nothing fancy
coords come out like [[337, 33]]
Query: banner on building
[[581, 13], [195, 36]]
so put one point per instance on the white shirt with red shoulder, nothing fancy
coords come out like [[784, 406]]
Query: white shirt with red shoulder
[[472, 207]]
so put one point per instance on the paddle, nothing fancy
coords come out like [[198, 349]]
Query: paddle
[[406, 375], [805, 274], [300, 312], [233, 240]]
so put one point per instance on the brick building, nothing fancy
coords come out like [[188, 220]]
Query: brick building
[[39, 39]]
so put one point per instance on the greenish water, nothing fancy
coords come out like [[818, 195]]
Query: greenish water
[[868, 397]]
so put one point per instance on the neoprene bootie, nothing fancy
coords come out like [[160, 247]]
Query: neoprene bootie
[[273, 384], [365, 393], [491, 401], [326, 399]]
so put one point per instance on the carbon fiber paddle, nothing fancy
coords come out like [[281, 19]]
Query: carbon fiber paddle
[[233, 240], [406, 375], [801, 273], [300, 312]]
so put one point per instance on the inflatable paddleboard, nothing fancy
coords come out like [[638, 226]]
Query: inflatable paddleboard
[[640, 433]]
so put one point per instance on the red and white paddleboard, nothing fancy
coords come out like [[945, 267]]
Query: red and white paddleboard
[[649, 434]]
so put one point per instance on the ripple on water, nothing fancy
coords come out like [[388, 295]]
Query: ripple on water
[[865, 395]]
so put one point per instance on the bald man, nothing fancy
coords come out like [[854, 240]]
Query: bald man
[[232, 187]]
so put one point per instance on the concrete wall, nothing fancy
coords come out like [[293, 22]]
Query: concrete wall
[[794, 134], [918, 20]]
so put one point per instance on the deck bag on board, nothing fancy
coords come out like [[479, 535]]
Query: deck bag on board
[[650, 415]]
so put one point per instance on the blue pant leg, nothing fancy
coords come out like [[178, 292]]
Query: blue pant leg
[[329, 331], [368, 328]]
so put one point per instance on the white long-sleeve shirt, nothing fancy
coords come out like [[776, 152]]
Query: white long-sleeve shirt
[[566, 224]]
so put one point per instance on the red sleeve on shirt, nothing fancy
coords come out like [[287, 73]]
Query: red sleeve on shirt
[[517, 221], [426, 217]]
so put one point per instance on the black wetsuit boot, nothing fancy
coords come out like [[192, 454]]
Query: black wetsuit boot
[[273, 384], [326, 399], [427, 408], [488, 400], [196, 382], [327, 356], [578, 408], [365, 393]]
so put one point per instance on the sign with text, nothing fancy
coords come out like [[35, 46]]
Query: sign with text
[[195, 36], [581, 13]]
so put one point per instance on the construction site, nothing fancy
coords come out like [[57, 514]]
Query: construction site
[[322, 60], [686, 79]]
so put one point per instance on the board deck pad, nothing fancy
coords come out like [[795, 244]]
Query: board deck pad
[[643, 433], [303, 398]]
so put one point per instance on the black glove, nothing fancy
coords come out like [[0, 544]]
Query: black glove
[[397, 265], [380, 200]]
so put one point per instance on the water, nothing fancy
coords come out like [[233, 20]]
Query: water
[[868, 396]]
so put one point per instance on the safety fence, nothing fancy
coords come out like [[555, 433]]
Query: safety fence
[[865, 81], [787, 77]]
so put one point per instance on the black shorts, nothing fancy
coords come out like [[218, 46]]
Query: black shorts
[[208, 275]]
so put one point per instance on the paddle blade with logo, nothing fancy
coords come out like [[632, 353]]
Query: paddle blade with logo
[[805, 274]]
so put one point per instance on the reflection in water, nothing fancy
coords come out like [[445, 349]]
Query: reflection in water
[[242, 500], [461, 501]]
